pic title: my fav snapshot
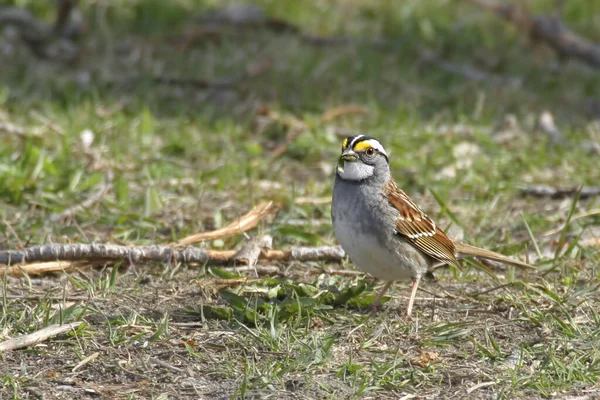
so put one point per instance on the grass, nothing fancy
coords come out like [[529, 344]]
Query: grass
[[188, 159]]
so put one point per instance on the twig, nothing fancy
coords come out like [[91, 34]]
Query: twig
[[48, 123], [253, 70], [18, 271], [260, 269], [14, 233], [477, 294], [11, 128], [559, 193], [337, 112], [547, 29], [165, 254], [314, 222], [96, 197], [339, 272], [166, 365], [574, 218], [227, 83], [231, 282], [313, 201], [294, 126], [480, 386], [53, 298], [34, 338], [95, 163], [246, 222], [85, 361]]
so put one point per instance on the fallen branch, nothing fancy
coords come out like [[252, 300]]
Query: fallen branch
[[244, 223], [165, 254], [547, 29], [559, 193], [34, 338]]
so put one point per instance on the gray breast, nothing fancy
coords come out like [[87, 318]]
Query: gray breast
[[364, 225]]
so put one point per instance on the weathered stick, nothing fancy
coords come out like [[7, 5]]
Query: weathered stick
[[37, 337], [168, 254]]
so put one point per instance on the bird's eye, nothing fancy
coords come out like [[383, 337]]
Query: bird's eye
[[370, 151]]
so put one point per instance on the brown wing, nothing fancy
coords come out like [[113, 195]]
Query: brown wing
[[417, 227]]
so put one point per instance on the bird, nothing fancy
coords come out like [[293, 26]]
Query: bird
[[382, 230]]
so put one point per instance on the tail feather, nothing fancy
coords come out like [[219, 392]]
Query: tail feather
[[466, 250]]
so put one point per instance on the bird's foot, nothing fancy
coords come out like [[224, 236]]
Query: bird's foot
[[373, 308]]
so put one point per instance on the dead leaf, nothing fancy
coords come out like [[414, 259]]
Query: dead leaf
[[425, 358], [316, 323]]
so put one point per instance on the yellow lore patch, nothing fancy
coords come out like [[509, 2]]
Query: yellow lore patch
[[362, 145], [345, 144]]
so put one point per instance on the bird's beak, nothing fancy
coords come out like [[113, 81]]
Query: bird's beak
[[349, 155]]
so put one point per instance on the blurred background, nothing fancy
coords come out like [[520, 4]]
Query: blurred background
[[199, 108]]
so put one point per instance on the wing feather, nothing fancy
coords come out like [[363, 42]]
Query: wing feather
[[418, 228]]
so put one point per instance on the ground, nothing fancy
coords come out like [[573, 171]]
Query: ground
[[191, 123]]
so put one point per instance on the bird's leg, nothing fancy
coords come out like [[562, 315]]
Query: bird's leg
[[375, 302], [411, 299]]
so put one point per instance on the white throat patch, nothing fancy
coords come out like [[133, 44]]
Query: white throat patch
[[355, 171]]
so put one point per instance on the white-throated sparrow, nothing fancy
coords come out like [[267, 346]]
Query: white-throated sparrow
[[381, 229]]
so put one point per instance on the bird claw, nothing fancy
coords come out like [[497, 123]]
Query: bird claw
[[372, 308]]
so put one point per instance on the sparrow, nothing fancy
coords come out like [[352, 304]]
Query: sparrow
[[382, 230]]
